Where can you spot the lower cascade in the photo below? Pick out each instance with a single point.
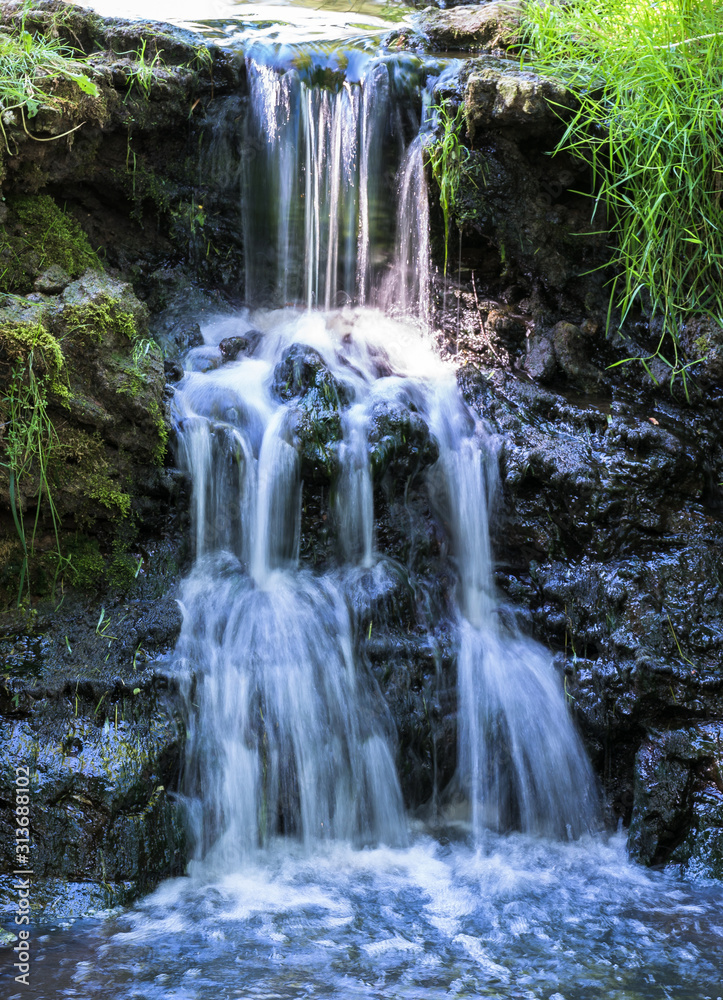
(288, 733)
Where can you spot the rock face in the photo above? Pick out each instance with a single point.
(678, 804)
(83, 389)
(101, 738)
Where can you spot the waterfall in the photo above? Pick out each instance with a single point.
(316, 198)
(521, 763)
(288, 732)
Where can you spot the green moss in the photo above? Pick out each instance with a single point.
(87, 565)
(122, 566)
(145, 353)
(98, 318)
(18, 340)
(159, 452)
(37, 234)
(80, 467)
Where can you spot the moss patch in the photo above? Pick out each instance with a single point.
(80, 467)
(37, 234)
(23, 344)
(95, 319)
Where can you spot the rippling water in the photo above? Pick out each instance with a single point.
(284, 21)
(518, 918)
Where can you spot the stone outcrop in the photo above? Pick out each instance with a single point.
(485, 26)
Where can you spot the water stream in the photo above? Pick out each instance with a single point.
(308, 878)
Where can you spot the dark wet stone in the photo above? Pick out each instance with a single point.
(302, 372)
(173, 371)
(541, 362)
(678, 807)
(400, 442)
(231, 347)
(572, 352)
(608, 535)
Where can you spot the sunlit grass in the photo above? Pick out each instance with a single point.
(648, 77)
(30, 66)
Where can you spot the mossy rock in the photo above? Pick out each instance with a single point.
(84, 423)
(303, 373)
(38, 234)
(485, 26)
(400, 442)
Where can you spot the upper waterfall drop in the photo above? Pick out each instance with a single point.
(320, 189)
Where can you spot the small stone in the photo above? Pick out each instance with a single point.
(231, 347)
(506, 328)
(571, 350)
(52, 281)
(541, 363)
(173, 371)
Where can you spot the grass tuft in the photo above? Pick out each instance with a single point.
(447, 156)
(647, 76)
(30, 66)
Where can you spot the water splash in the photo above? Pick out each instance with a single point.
(290, 734)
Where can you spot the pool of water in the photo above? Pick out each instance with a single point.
(281, 21)
(517, 918)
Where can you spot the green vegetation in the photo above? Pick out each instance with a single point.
(38, 234)
(95, 319)
(29, 67)
(30, 436)
(143, 72)
(647, 78)
(447, 156)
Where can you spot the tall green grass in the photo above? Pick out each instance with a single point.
(447, 156)
(648, 77)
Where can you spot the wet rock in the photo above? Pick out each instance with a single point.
(99, 730)
(572, 350)
(678, 808)
(178, 308)
(609, 536)
(100, 770)
(507, 329)
(400, 443)
(173, 371)
(231, 347)
(317, 432)
(563, 350)
(302, 372)
(487, 26)
(541, 362)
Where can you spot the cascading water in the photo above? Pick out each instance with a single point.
(280, 737)
(286, 734)
(315, 190)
